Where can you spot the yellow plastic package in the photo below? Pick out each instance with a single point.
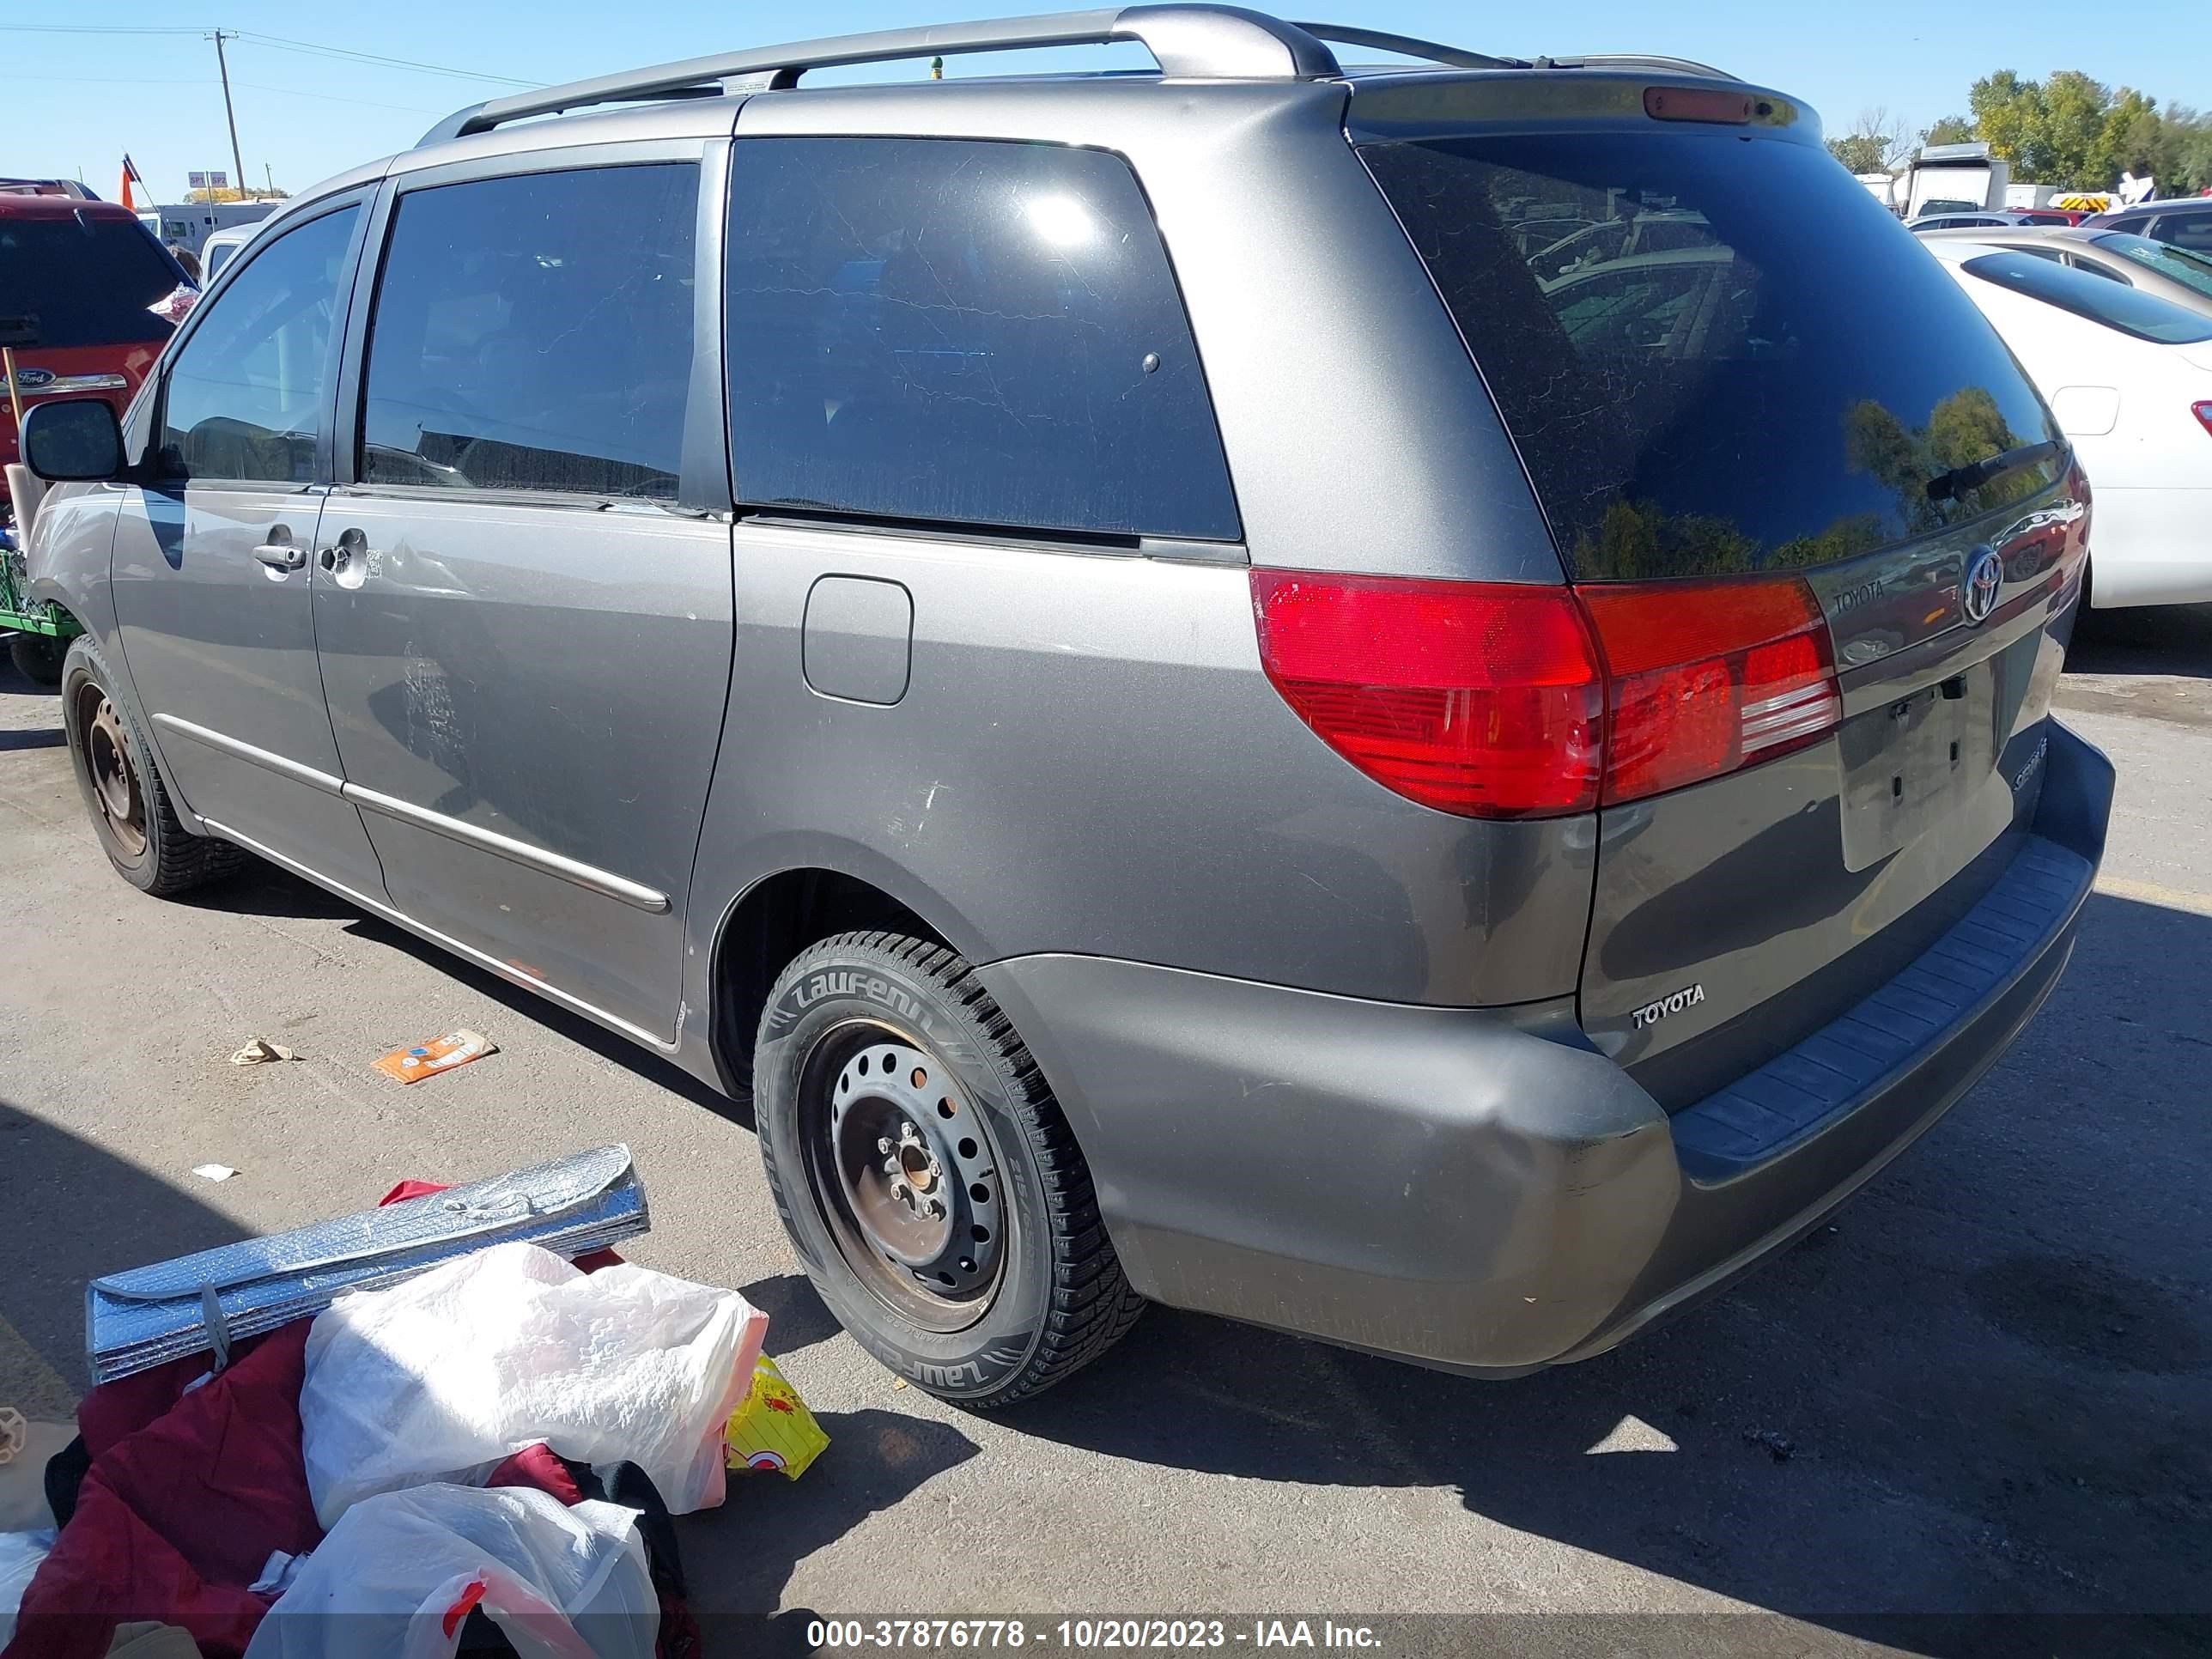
(771, 1428)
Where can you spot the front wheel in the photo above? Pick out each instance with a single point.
(926, 1176)
(123, 788)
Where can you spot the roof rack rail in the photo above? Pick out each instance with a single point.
(1434, 51)
(1635, 60)
(1202, 41)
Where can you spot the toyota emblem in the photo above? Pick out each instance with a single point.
(1984, 580)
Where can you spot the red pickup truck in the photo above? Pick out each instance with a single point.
(87, 298)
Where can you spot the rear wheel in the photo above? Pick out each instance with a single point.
(926, 1176)
(132, 812)
(38, 657)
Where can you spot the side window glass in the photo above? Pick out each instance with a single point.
(964, 332)
(247, 394)
(534, 333)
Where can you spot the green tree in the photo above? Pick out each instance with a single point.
(1857, 152)
(2184, 161)
(1877, 143)
(2010, 117)
(2075, 111)
(2073, 131)
(1951, 130)
(2131, 139)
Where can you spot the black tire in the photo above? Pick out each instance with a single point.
(38, 657)
(1040, 1294)
(132, 812)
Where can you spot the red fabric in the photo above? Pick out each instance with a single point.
(189, 1493)
(181, 1506)
(535, 1466)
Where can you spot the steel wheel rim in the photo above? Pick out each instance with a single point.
(904, 1171)
(116, 791)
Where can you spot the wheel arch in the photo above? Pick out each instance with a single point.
(779, 915)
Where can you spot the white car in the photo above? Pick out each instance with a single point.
(2130, 377)
(215, 253)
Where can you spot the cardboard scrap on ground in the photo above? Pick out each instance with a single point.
(439, 1054)
(772, 1428)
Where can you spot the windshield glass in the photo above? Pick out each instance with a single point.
(2132, 312)
(1715, 354)
(85, 280)
(2190, 269)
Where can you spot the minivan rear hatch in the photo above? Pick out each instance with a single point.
(1823, 525)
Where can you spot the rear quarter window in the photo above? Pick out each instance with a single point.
(964, 332)
(2189, 230)
(85, 280)
(1716, 354)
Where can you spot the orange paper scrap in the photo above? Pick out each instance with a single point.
(439, 1054)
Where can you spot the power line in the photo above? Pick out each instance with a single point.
(309, 46)
(248, 86)
(282, 43)
(90, 28)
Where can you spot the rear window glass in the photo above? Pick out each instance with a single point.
(85, 280)
(2190, 269)
(2192, 230)
(964, 332)
(2130, 310)
(535, 333)
(1716, 354)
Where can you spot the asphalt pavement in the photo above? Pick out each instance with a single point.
(1986, 1389)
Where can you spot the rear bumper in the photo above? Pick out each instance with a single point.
(1480, 1189)
(2152, 546)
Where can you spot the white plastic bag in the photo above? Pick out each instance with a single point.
(21, 1552)
(405, 1568)
(441, 1377)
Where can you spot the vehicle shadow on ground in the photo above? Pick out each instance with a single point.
(262, 890)
(1981, 1390)
(738, 1558)
(2174, 639)
(69, 1211)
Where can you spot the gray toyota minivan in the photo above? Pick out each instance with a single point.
(1405, 703)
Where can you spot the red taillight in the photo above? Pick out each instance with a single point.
(1703, 678)
(1491, 701)
(1477, 698)
(2203, 413)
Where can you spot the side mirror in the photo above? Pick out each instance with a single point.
(78, 441)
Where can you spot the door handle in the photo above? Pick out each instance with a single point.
(281, 556)
(347, 558)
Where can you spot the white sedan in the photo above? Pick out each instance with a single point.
(2130, 377)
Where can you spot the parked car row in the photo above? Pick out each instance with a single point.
(2116, 331)
(87, 299)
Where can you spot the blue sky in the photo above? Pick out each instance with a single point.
(75, 102)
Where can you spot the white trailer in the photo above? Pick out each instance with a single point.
(1953, 179)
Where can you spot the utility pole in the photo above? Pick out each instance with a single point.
(222, 68)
